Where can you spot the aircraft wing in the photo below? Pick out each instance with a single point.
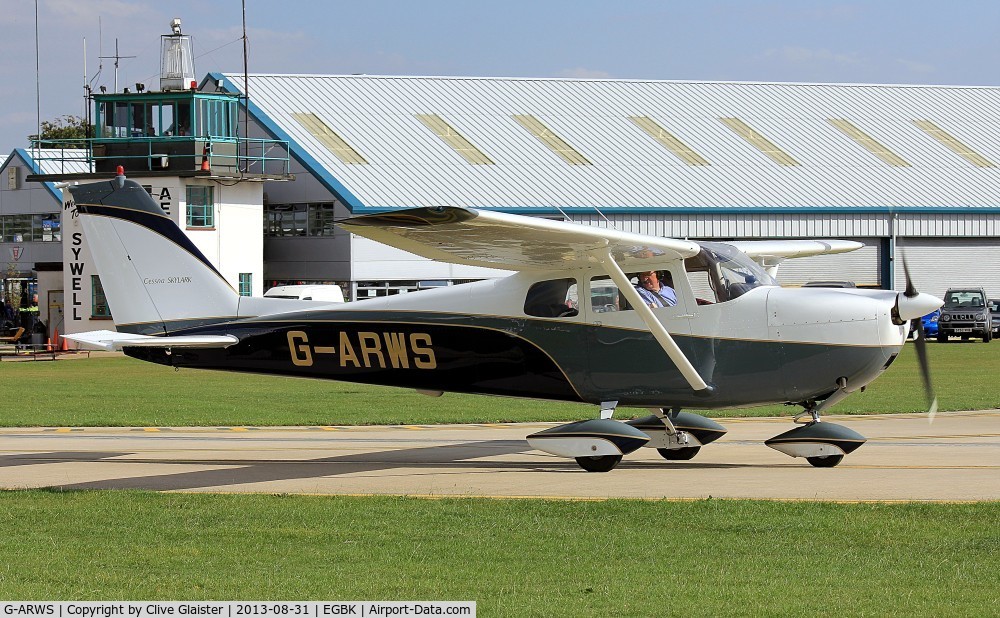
(111, 340)
(512, 242)
(793, 248)
(771, 253)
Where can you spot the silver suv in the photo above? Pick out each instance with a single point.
(965, 314)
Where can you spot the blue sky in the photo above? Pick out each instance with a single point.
(913, 42)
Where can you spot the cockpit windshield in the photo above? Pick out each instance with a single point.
(725, 272)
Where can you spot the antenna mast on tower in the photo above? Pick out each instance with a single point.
(117, 57)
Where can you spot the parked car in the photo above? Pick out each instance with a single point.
(965, 314)
(329, 293)
(930, 323)
(995, 312)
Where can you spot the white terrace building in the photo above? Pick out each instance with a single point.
(895, 167)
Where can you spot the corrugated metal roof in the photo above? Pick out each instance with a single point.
(59, 160)
(52, 161)
(409, 166)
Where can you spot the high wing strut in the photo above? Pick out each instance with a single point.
(649, 319)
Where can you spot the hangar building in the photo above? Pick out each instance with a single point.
(31, 232)
(898, 168)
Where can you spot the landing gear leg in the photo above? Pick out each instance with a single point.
(822, 444)
(813, 409)
(675, 454)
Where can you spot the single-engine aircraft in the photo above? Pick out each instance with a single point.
(567, 325)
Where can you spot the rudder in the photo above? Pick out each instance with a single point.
(155, 279)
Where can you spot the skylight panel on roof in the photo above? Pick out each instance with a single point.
(554, 142)
(668, 141)
(759, 142)
(868, 142)
(329, 138)
(953, 144)
(453, 138)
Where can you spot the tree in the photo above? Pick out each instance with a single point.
(11, 288)
(61, 132)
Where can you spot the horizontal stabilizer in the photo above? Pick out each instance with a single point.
(113, 341)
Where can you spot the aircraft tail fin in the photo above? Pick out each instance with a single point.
(155, 279)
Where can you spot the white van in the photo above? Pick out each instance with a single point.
(324, 293)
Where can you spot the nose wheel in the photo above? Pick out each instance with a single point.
(823, 445)
(599, 463)
(825, 462)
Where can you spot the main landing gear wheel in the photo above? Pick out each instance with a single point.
(599, 463)
(679, 454)
(825, 462)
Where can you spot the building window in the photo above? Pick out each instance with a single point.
(51, 227)
(300, 219)
(16, 228)
(30, 228)
(246, 284)
(200, 207)
(98, 301)
(321, 220)
(286, 220)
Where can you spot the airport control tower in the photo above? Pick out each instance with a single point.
(183, 144)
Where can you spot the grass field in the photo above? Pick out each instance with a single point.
(514, 557)
(127, 392)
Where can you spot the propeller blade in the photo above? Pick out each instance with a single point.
(921, 344)
(911, 290)
(925, 370)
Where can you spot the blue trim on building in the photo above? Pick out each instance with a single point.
(294, 149)
(36, 169)
(686, 210)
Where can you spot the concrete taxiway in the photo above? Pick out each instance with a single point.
(957, 458)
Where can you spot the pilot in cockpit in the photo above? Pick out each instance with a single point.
(654, 292)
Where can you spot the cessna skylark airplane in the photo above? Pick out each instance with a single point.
(567, 325)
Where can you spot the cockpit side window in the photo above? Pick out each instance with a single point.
(605, 297)
(720, 273)
(557, 298)
(704, 280)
